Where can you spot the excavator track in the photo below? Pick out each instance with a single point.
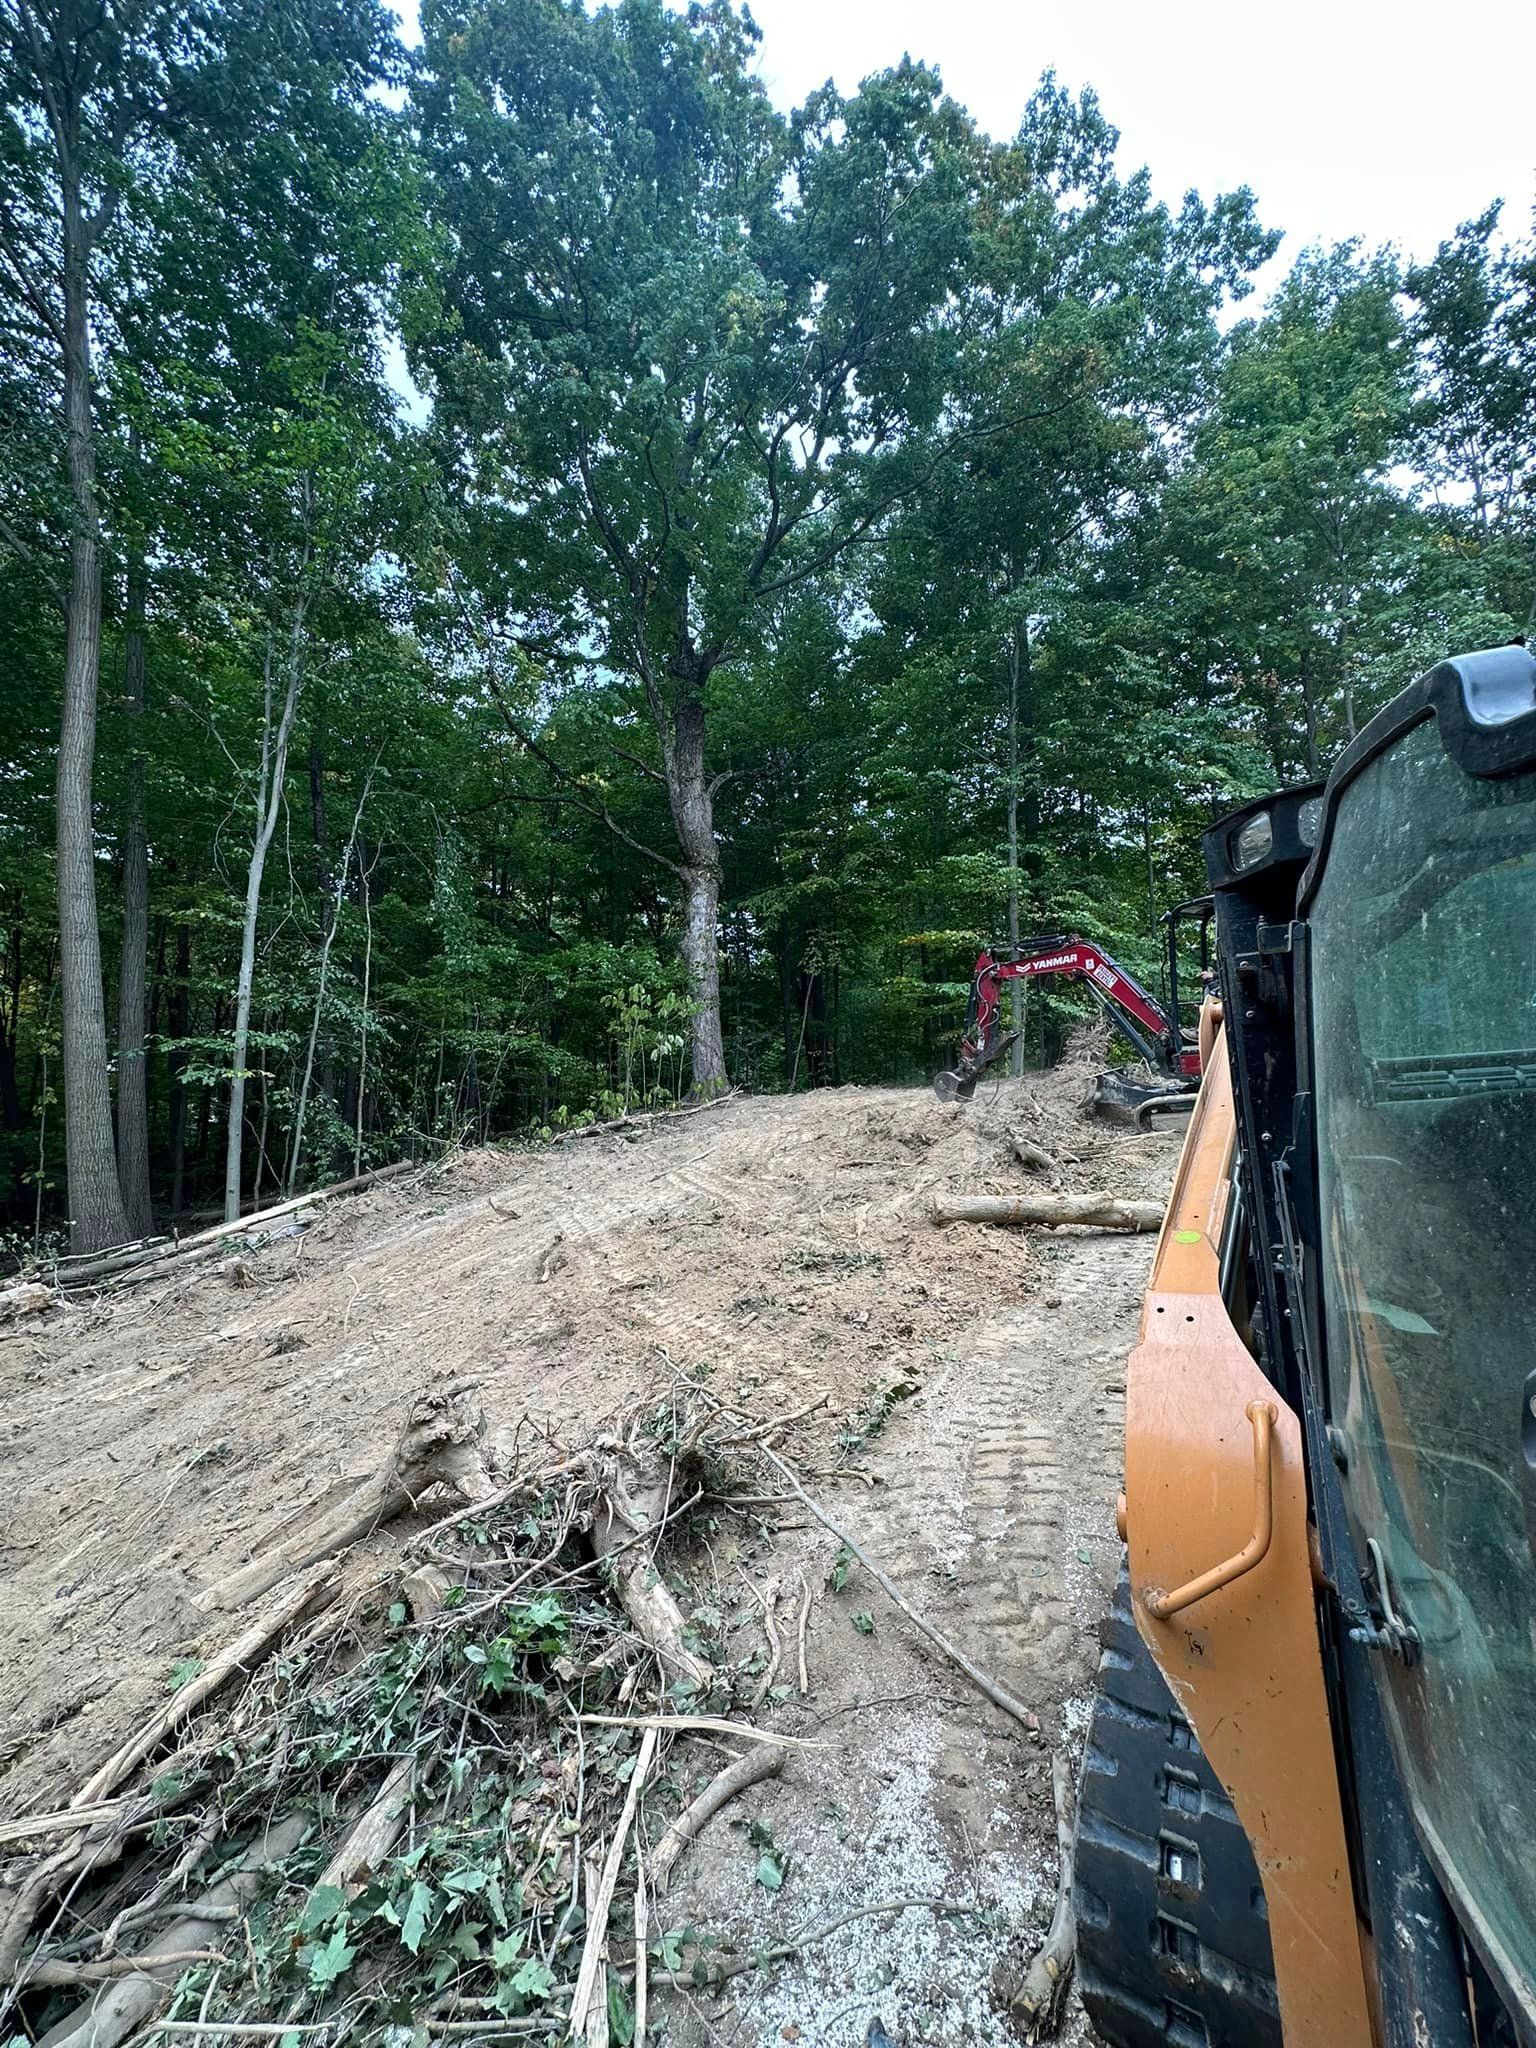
(1173, 1936)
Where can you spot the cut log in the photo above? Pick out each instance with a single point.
(439, 1446)
(1033, 1156)
(119, 2008)
(1100, 1212)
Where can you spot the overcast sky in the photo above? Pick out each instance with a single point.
(1388, 119)
(1392, 120)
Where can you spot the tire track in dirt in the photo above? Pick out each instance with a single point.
(997, 1486)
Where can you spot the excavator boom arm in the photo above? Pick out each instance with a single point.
(1134, 1013)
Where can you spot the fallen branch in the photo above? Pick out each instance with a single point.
(781, 1951)
(637, 1123)
(373, 1834)
(308, 1595)
(979, 1678)
(801, 1627)
(642, 1960)
(68, 1820)
(1101, 1212)
(1031, 1155)
(699, 1724)
(764, 1761)
(1042, 1989)
(119, 2008)
(61, 1974)
(157, 1253)
(599, 1908)
(768, 1600)
(439, 1446)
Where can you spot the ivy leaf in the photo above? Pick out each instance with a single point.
(418, 1910)
(506, 1950)
(325, 1902)
(333, 1960)
(770, 1871)
(864, 1622)
(621, 2014)
(533, 1980)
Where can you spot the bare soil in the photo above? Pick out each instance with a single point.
(151, 1441)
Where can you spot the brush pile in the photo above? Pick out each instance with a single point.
(407, 1813)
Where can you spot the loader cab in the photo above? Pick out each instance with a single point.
(1376, 942)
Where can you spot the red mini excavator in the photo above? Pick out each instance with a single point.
(1154, 1035)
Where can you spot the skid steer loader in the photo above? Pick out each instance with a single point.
(1308, 1803)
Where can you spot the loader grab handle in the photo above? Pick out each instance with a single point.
(1263, 1415)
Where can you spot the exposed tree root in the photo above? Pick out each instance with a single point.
(636, 1483)
(439, 1446)
(763, 1761)
(113, 2014)
(1039, 1998)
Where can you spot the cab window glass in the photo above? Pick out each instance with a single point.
(1424, 1043)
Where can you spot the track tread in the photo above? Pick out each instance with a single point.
(1164, 1962)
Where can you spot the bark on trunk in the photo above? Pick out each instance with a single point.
(1016, 990)
(177, 1014)
(132, 1077)
(95, 1203)
(693, 815)
(269, 798)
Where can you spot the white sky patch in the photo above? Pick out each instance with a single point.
(1390, 120)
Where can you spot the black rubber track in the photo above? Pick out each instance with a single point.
(1172, 1932)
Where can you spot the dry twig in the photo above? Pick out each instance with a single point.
(983, 1682)
(598, 1909)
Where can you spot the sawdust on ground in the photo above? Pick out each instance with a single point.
(151, 1441)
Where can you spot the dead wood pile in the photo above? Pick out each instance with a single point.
(421, 1800)
(424, 1811)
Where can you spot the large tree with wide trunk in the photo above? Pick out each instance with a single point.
(693, 354)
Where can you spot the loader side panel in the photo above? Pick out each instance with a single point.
(1243, 1661)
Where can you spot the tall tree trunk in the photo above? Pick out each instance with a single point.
(177, 1012)
(132, 1077)
(1016, 991)
(10, 1020)
(269, 800)
(95, 1202)
(693, 816)
(331, 914)
(362, 1048)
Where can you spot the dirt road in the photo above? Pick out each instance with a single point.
(151, 1441)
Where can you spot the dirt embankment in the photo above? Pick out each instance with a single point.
(152, 1441)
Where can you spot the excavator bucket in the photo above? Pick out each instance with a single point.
(1120, 1098)
(954, 1085)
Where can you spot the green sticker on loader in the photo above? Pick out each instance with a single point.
(1189, 1237)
